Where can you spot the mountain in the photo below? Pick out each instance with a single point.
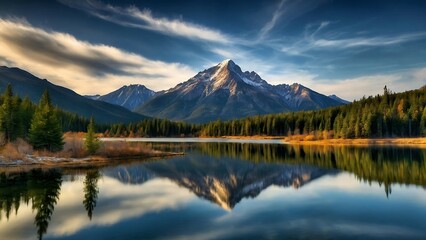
(128, 96)
(299, 97)
(226, 92)
(25, 84)
(338, 99)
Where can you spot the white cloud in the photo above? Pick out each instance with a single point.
(420, 76)
(354, 88)
(133, 17)
(82, 66)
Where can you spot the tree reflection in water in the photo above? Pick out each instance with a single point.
(91, 191)
(40, 187)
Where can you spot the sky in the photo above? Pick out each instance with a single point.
(349, 48)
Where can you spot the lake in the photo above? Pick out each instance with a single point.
(225, 190)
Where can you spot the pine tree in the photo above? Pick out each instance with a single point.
(45, 131)
(9, 116)
(92, 142)
(26, 113)
(423, 123)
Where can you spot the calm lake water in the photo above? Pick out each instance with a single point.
(227, 190)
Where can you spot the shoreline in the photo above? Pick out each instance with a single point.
(358, 141)
(300, 139)
(94, 161)
(420, 142)
(31, 161)
(417, 142)
(256, 137)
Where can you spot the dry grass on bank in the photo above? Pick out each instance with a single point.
(74, 148)
(327, 138)
(18, 149)
(255, 137)
(124, 149)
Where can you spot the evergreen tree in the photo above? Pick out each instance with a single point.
(92, 142)
(45, 131)
(26, 113)
(9, 115)
(423, 123)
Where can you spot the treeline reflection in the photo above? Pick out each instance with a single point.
(385, 165)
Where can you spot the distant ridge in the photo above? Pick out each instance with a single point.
(129, 97)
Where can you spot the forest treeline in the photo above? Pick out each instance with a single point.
(41, 124)
(386, 115)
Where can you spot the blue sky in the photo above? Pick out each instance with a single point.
(350, 48)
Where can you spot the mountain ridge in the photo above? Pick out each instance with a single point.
(26, 84)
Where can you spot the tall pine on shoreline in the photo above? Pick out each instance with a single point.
(10, 123)
(45, 131)
(91, 143)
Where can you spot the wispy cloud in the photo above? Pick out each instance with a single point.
(312, 40)
(271, 24)
(144, 19)
(285, 12)
(85, 67)
(372, 41)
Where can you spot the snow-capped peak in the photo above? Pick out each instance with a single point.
(226, 61)
(222, 71)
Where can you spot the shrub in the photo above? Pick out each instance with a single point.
(74, 147)
(17, 150)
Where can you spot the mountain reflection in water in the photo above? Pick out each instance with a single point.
(222, 173)
(223, 181)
